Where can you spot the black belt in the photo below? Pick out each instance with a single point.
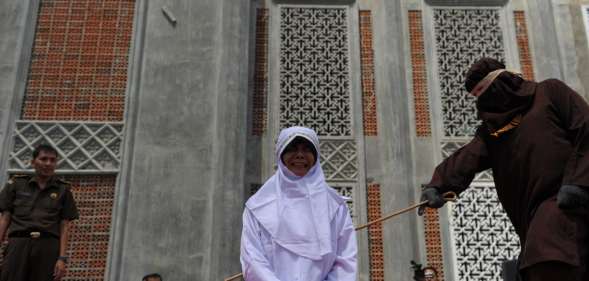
(32, 234)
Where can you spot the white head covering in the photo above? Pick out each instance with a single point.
(297, 211)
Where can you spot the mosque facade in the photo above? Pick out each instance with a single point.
(165, 114)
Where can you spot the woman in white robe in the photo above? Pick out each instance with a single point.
(296, 227)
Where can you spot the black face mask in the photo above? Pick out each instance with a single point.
(502, 102)
(492, 100)
(499, 99)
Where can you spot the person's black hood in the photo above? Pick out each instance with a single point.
(503, 99)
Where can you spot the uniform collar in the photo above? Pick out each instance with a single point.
(52, 182)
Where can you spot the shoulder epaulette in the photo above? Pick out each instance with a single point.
(15, 177)
(62, 181)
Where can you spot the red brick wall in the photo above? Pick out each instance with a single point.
(260, 94)
(433, 241)
(367, 67)
(89, 236)
(376, 253)
(419, 75)
(523, 46)
(79, 62)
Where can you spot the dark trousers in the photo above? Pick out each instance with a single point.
(28, 259)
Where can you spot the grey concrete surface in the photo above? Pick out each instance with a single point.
(566, 42)
(17, 26)
(392, 150)
(184, 177)
(581, 45)
(544, 40)
(188, 157)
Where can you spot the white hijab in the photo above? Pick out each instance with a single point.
(297, 211)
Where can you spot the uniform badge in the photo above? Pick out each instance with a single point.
(53, 195)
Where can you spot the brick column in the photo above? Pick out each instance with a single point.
(260, 94)
(367, 66)
(523, 46)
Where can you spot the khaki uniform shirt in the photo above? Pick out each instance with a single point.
(36, 209)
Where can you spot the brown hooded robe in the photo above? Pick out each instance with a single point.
(549, 148)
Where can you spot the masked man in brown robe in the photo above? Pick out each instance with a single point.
(535, 138)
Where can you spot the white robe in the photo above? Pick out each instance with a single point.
(297, 228)
(264, 260)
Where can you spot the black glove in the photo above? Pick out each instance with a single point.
(434, 198)
(572, 197)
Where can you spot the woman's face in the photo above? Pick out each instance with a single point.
(298, 157)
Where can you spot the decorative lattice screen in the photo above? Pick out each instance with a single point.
(314, 70)
(483, 234)
(339, 160)
(315, 87)
(462, 37)
(82, 146)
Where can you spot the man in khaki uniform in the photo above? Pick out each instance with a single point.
(36, 213)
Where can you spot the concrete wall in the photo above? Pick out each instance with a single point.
(181, 188)
(581, 44)
(180, 192)
(556, 33)
(17, 26)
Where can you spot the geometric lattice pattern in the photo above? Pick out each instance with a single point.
(260, 94)
(79, 61)
(483, 235)
(521, 35)
(462, 37)
(376, 252)
(367, 66)
(89, 236)
(419, 75)
(314, 70)
(448, 147)
(82, 147)
(339, 160)
(346, 190)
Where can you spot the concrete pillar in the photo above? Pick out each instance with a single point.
(17, 30)
(390, 156)
(179, 199)
(543, 37)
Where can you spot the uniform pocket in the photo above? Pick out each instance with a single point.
(51, 202)
(22, 206)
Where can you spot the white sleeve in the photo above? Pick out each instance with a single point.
(254, 264)
(345, 265)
